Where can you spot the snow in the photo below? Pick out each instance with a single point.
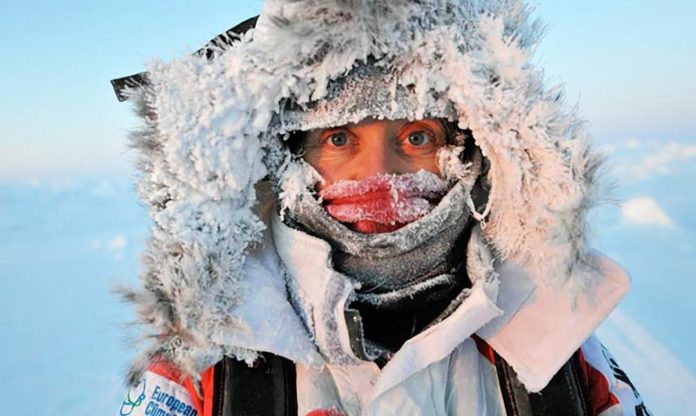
(65, 339)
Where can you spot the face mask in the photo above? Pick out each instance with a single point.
(383, 203)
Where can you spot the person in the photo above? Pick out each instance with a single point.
(369, 208)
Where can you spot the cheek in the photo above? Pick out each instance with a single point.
(330, 176)
(424, 162)
(330, 168)
(432, 165)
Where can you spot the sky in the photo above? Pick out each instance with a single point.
(627, 64)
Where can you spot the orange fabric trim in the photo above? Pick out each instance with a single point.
(602, 398)
(207, 389)
(169, 371)
(325, 412)
(166, 370)
(485, 349)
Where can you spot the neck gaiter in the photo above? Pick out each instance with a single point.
(410, 269)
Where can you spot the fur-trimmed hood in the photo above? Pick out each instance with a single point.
(212, 131)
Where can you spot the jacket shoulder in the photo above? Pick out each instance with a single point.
(164, 387)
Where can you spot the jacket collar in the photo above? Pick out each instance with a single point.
(534, 327)
(542, 326)
(268, 321)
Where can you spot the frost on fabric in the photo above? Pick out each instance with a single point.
(298, 180)
(407, 292)
(450, 164)
(198, 174)
(212, 131)
(480, 75)
(384, 199)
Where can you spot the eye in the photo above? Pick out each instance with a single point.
(419, 138)
(338, 139)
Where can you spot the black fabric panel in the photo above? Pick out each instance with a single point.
(130, 82)
(582, 383)
(224, 40)
(266, 389)
(563, 396)
(218, 387)
(567, 394)
(515, 396)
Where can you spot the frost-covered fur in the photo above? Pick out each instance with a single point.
(212, 127)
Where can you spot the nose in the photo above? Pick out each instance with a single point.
(378, 157)
(377, 154)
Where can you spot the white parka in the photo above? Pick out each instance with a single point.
(441, 371)
(216, 265)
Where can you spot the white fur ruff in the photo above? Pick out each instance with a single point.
(210, 138)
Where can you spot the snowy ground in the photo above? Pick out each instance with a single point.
(64, 245)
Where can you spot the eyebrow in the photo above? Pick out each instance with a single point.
(344, 127)
(440, 129)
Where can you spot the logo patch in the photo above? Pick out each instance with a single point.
(134, 398)
(155, 395)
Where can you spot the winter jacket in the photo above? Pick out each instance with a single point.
(449, 369)
(217, 268)
(610, 392)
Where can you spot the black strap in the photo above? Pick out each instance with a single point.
(515, 396)
(210, 51)
(567, 394)
(266, 389)
(269, 389)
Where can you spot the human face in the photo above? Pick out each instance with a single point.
(373, 147)
(366, 152)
